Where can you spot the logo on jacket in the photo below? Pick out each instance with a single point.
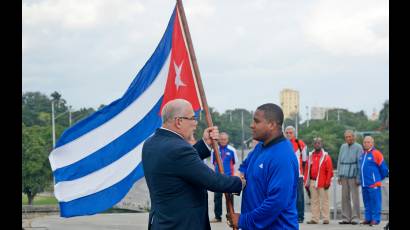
(261, 166)
(369, 158)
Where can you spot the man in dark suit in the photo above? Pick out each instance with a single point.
(176, 176)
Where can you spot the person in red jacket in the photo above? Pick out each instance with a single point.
(318, 175)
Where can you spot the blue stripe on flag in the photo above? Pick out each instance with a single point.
(101, 201)
(114, 150)
(140, 83)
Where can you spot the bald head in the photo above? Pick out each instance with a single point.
(175, 108)
(368, 142)
(178, 116)
(223, 139)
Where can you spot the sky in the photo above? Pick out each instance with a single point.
(334, 52)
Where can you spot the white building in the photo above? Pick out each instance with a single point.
(318, 113)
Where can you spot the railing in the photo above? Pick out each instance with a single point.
(336, 192)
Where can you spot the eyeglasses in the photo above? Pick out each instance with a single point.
(193, 118)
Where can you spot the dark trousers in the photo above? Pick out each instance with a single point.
(218, 204)
(300, 200)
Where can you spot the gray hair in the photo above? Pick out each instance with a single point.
(369, 137)
(349, 131)
(174, 108)
(224, 133)
(317, 139)
(290, 127)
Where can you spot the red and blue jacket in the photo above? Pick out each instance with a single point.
(373, 169)
(228, 158)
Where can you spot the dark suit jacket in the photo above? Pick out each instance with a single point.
(177, 180)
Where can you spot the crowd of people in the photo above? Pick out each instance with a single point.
(272, 179)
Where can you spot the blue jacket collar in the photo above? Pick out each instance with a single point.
(274, 141)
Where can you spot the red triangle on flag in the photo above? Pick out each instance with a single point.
(180, 81)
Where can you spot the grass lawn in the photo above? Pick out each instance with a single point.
(40, 200)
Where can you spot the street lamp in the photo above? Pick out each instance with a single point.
(296, 121)
(243, 135)
(338, 116)
(53, 118)
(52, 123)
(307, 116)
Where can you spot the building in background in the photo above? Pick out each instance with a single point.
(289, 101)
(318, 113)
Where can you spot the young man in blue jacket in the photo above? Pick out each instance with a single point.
(271, 171)
(373, 170)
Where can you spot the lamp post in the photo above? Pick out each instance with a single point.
(307, 116)
(327, 114)
(53, 118)
(243, 136)
(296, 120)
(338, 116)
(69, 115)
(52, 123)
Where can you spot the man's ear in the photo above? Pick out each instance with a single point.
(177, 123)
(272, 125)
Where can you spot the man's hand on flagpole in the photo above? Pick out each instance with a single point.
(243, 180)
(211, 133)
(233, 222)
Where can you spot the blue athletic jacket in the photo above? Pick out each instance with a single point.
(373, 169)
(228, 158)
(269, 198)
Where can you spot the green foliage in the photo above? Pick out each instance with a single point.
(384, 115)
(381, 142)
(36, 172)
(33, 103)
(37, 137)
(332, 131)
(82, 113)
(40, 200)
(230, 122)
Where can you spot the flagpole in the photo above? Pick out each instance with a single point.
(203, 97)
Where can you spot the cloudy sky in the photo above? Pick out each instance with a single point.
(334, 52)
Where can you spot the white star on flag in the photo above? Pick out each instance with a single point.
(178, 81)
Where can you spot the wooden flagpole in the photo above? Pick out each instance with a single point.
(203, 98)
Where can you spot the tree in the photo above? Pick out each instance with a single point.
(291, 120)
(55, 96)
(101, 106)
(224, 123)
(81, 114)
(331, 132)
(34, 103)
(384, 115)
(36, 171)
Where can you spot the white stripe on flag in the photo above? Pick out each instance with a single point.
(99, 180)
(112, 129)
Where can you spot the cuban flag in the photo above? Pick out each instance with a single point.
(96, 161)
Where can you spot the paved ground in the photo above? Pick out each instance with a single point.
(138, 221)
(139, 200)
